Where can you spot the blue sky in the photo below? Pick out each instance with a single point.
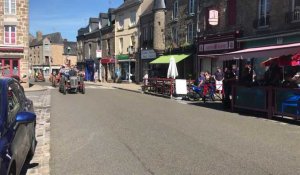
(65, 16)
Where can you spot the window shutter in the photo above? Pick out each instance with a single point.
(231, 12)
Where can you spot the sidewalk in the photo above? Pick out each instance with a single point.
(123, 86)
(35, 87)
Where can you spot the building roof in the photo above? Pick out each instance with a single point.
(103, 15)
(55, 38)
(127, 4)
(72, 46)
(94, 20)
(159, 4)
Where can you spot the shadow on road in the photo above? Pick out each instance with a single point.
(245, 113)
(28, 166)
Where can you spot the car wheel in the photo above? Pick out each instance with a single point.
(12, 171)
(64, 90)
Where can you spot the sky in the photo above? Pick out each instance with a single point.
(65, 16)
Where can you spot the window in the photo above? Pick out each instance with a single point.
(121, 45)
(90, 48)
(174, 35)
(121, 22)
(175, 10)
(132, 18)
(264, 12)
(151, 32)
(10, 7)
(191, 7)
(108, 46)
(231, 12)
(190, 33)
(13, 104)
(10, 35)
(132, 41)
(296, 10)
(99, 45)
(145, 32)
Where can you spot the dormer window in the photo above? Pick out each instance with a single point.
(90, 28)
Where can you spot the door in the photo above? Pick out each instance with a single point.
(16, 134)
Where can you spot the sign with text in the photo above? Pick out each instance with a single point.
(216, 46)
(99, 53)
(148, 54)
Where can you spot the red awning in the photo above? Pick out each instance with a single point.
(107, 60)
(296, 57)
(284, 60)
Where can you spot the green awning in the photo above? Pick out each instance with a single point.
(122, 57)
(165, 59)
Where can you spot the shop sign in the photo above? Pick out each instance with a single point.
(216, 46)
(99, 53)
(148, 54)
(213, 18)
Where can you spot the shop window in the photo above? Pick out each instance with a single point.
(15, 67)
(10, 7)
(10, 35)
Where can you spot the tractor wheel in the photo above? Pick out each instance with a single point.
(64, 89)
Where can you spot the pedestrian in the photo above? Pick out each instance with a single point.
(219, 77)
(229, 78)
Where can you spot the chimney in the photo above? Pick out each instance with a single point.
(39, 35)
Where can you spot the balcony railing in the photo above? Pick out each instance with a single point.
(262, 22)
(293, 16)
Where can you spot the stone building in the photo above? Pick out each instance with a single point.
(70, 53)
(247, 32)
(89, 42)
(127, 38)
(108, 46)
(14, 38)
(46, 52)
(180, 32)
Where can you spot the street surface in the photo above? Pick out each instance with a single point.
(114, 132)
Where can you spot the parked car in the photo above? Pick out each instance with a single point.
(17, 127)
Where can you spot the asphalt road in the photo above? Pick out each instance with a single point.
(114, 132)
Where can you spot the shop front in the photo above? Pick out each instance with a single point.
(126, 68)
(11, 67)
(270, 76)
(160, 66)
(108, 69)
(211, 46)
(89, 69)
(146, 57)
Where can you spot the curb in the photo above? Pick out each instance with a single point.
(136, 91)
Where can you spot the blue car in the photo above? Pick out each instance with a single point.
(17, 127)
